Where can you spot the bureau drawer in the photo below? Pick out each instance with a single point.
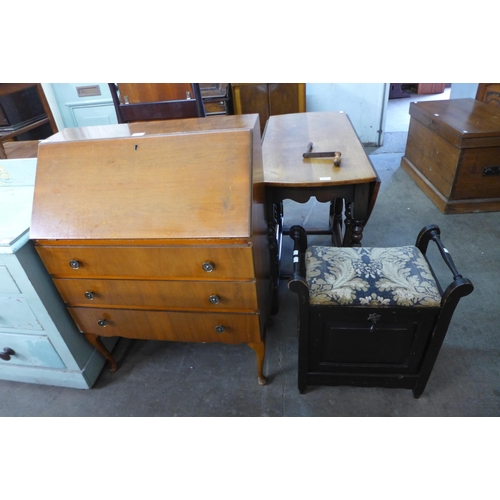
(174, 326)
(149, 262)
(30, 350)
(201, 295)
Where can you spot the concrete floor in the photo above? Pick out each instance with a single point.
(176, 379)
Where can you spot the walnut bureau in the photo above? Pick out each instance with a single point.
(157, 230)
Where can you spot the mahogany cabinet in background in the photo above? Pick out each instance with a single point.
(268, 99)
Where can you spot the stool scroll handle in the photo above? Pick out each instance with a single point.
(299, 236)
(297, 282)
(432, 232)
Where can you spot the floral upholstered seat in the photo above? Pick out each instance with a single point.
(372, 277)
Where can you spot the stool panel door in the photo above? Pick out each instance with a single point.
(346, 341)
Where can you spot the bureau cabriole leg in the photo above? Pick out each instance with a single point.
(96, 341)
(260, 350)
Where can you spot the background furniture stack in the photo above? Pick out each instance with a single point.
(217, 98)
(156, 101)
(25, 117)
(268, 99)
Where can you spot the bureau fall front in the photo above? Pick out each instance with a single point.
(158, 230)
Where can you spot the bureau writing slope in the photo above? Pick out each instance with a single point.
(157, 230)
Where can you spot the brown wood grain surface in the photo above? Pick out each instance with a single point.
(173, 326)
(286, 139)
(164, 295)
(153, 92)
(184, 186)
(149, 262)
(463, 122)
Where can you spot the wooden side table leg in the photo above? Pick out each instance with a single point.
(336, 207)
(348, 225)
(260, 350)
(358, 215)
(275, 234)
(96, 341)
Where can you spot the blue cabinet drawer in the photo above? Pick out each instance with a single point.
(30, 350)
(15, 313)
(7, 283)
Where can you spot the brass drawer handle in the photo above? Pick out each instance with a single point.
(214, 299)
(89, 295)
(7, 353)
(103, 323)
(208, 267)
(220, 329)
(74, 264)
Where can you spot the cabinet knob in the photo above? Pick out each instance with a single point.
(103, 323)
(89, 295)
(74, 264)
(220, 329)
(7, 353)
(208, 267)
(214, 299)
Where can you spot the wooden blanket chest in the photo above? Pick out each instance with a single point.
(453, 154)
(157, 230)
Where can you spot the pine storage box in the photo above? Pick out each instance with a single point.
(453, 154)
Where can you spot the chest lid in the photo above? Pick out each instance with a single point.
(466, 123)
(177, 179)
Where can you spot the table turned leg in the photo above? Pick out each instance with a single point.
(96, 341)
(275, 234)
(356, 215)
(260, 350)
(336, 207)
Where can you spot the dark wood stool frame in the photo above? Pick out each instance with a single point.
(419, 332)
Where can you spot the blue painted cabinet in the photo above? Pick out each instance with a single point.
(47, 346)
